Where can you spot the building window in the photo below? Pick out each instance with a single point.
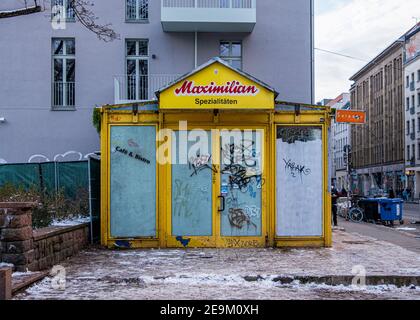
(418, 75)
(413, 124)
(408, 104)
(418, 124)
(231, 52)
(418, 99)
(408, 153)
(408, 127)
(64, 67)
(418, 151)
(137, 69)
(137, 10)
(62, 10)
(414, 152)
(408, 81)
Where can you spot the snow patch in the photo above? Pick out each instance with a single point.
(6, 265)
(70, 221)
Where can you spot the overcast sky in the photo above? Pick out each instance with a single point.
(357, 28)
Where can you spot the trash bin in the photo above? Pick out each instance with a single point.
(371, 208)
(391, 209)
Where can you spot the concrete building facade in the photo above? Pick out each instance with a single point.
(378, 146)
(52, 78)
(412, 110)
(341, 137)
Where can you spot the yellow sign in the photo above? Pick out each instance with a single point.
(217, 86)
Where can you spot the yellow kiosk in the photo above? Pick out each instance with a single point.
(215, 162)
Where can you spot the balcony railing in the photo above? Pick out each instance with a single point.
(62, 9)
(137, 88)
(208, 15)
(412, 135)
(63, 94)
(412, 86)
(237, 4)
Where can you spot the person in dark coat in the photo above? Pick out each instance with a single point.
(334, 197)
(391, 194)
(344, 192)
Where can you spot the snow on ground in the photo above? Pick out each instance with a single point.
(222, 273)
(73, 221)
(6, 265)
(406, 229)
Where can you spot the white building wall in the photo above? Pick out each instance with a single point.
(412, 124)
(341, 138)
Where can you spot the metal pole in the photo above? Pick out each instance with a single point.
(195, 50)
(90, 201)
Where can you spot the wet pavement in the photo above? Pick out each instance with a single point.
(232, 273)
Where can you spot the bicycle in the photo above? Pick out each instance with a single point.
(350, 210)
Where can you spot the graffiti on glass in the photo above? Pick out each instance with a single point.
(201, 163)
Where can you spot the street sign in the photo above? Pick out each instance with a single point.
(349, 116)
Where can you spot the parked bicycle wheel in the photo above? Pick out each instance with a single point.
(356, 215)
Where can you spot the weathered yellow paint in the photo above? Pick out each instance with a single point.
(267, 121)
(256, 113)
(220, 75)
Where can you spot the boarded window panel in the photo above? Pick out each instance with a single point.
(299, 181)
(133, 181)
(192, 186)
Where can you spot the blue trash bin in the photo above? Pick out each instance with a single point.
(391, 209)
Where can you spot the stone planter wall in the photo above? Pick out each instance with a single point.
(34, 250)
(53, 245)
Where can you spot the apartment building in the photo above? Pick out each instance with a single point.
(52, 77)
(412, 110)
(378, 146)
(341, 138)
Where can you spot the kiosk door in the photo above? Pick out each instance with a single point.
(217, 189)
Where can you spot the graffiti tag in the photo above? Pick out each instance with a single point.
(238, 218)
(295, 169)
(200, 163)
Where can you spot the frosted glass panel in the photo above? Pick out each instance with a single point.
(299, 181)
(133, 181)
(241, 184)
(192, 186)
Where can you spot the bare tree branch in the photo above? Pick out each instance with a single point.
(83, 12)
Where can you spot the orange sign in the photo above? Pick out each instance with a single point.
(347, 116)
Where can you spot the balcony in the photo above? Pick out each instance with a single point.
(208, 15)
(133, 88)
(412, 86)
(412, 135)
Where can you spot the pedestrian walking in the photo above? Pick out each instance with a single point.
(405, 194)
